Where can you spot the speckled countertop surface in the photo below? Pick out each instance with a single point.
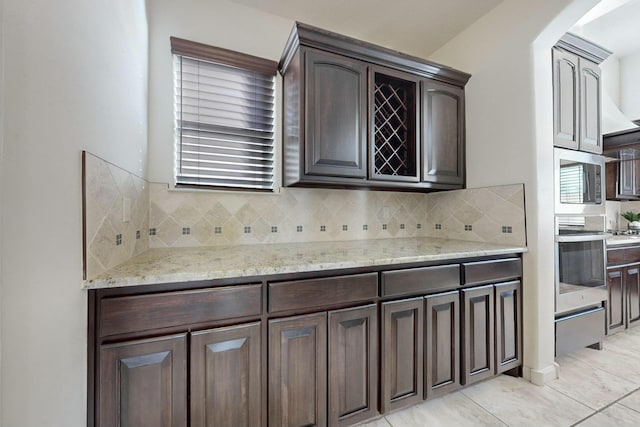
(623, 240)
(206, 263)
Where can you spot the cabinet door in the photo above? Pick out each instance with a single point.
(144, 383)
(590, 106)
(226, 382)
(298, 371)
(353, 365)
(565, 99)
(443, 133)
(478, 334)
(442, 346)
(336, 118)
(616, 307)
(402, 353)
(632, 289)
(394, 119)
(508, 326)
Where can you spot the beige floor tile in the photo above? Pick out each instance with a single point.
(447, 411)
(589, 385)
(632, 401)
(614, 416)
(519, 403)
(380, 422)
(613, 359)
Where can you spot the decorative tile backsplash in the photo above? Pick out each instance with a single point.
(159, 217)
(293, 215)
(110, 194)
(491, 214)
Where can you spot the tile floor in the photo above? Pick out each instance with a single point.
(595, 389)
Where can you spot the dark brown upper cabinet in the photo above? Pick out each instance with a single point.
(357, 115)
(443, 135)
(577, 98)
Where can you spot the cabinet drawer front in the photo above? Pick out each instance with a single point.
(420, 280)
(579, 330)
(477, 273)
(623, 255)
(127, 314)
(299, 294)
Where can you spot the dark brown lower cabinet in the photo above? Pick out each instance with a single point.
(226, 379)
(143, 383)
(632, 284)
(623, 308)
(298, 371)
(616, 307)
(353, 365)
(442, 344)
(478, 360)
(402, 353)
(508, 325)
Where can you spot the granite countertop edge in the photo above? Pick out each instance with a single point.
(186, 264)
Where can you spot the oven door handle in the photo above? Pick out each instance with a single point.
(582, 237)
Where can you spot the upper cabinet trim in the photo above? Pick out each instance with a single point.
(583, 47)
(307, 35)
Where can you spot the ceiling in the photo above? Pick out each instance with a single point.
(417, 27)
(613, 24)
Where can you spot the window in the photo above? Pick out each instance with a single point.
(224, 111)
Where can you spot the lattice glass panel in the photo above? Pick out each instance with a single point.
(394, 126)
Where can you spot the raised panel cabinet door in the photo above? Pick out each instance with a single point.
(443, 133)
(477, 334)
(226, 377)
(565, 99)
(402, 353)
(336, 115)
(353, 365)
(442, 344)
(590, 107)
(144, 383)
(508, 325)
(298, 371)
(617, 304)
(632, 289)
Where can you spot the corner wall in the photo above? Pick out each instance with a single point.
(509, 138)
(77, 79)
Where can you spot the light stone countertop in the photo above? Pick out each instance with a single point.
(623, 240)
(218, 262)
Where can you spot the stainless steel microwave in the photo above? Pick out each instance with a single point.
(579, 182)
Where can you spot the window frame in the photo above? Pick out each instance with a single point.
(226, 57)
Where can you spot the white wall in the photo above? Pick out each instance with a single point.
(220, 23)
(76, 79)
(1, 157)
(509, 138)
(630, 86)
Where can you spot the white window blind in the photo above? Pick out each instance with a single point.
(224, 124)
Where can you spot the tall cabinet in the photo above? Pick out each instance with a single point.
(577, 99)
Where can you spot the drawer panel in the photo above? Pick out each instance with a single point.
(299, 294)
(420, 280)
(579, 330)
(121, 315)
(478, 273)
(623, 255)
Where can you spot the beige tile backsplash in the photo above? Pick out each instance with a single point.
(106, 188)
(170, 218)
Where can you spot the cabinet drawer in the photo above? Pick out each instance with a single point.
(420, 280)
(478, 273)
(579, 330)
(121, 315)
(299, 294)
(623, 255)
